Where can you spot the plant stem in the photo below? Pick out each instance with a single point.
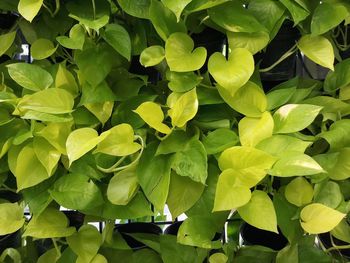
(94, 8)
(58, 6)
(56, 247)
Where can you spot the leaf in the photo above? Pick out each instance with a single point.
(53, 101)
(182, 82)
(11, 218)
(337, 135)
(102, 111)
(93, 23)
(198, 5)
(122, 187)
(327, 16)
(81, 141)
(153, 115)
(339, 78)
(191, 162)
(75, 40)
(137, 8)
(299, 192)
(218, 258)
(295, 164)
(260, 212)
(230, 192)
(219, 140)
(96, 94)
(42, 48)
(180, 55)
(76, 191)
(254, 130)
(183, 194)
(30, 76)
(176, 6)
(50, 255)
(99, 259)
(65, 80)
(119, 39)
(29, 8)
(342, 231)
(184, 109)
(277, 98)
(85, 243)
(318, 218)
(328, 193)
(46, 154)
(175, 142)
(318, 49)
(6, 41)
(235, 72)
(294, 117)
(253, 42)
(152, 56)
(49, 224)
(119, 141)
(298, 12)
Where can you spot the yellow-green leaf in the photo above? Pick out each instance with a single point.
(102, 111)
(42, 48)
(46, 154)
(152, 56)
(29, 8)
(65, 80)
(299, 192)
(253, 42)
(11, 218)
(218, 258)
(6, 41)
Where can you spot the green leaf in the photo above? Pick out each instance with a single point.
(119, 141)
(50, 255)
(76, 191)
(175, 142)
(137, 8)
(198, 5)
(249, 100)
(122, 187)
(65, 80)
(96, 94)
(235, 72)
(277, 98)
(85, 243)
(253, 42)
(46, 154)
(30, 76)
(327, 16)
(95, 24)
(339, 78)
(299, 192)
(230, 192)
(176, 6)
(319, 49)
(180, 55)
(219, 140)
(182, 82)
(81, 141)
(328, 193)
(254, 130)
(295, 164)
(11, 218)
(29, 8)
(53, 101)
(152, 56)
(99, 259)
(337, 135)
(6, 41)
(260, 212)
(153, 173)
(233, 17)
(294, 117)
(153, 115)
(342, 231)
(183, 194)
(119, 39)
(49, 224)
(42, 48)
(318, 218)
(184, 109)
(191, 162)
(218, 258)
(298, 12)
(102, 111)
(75, 40)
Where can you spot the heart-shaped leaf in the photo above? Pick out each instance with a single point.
(182, 82)
(119, 39)
(152, 56)
(235, 72)
(180, 55)
(94, 24)
(11, 218)
(75, 40)
(42, 48)
(253, 42)
(176, 6)
(6, 41)
(299, 192)
(29, 8)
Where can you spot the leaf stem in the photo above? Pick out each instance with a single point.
(56, 247)
(58, 6)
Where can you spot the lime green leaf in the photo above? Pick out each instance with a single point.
(219, 140)
(95, 24)
(342, 231)
(230, 193)
(176, 6)
(99, 259)
(50, 223)
(253, 42)
(242, 157)
(198, 5)
(298, 12)
(318, 218)
(65, 80)
(184, 109)
(180, 55)
(6, 41)
(295, 164)
(235, 72)
(42, 48)
(102, 111)
(122, 187)
(328, 193)
(152, 56)
(29, 8)
(326, 16)
(294, 117)
(183, 194)
(254, 130)
(85, 243)
(319, 49)
(46, 154)
(75, 40)
(81, 141)
(339, 78)
(119, 142)
(11, 218)
(119, 39)
(299, 192)
(337, 135)
(137, 8)
(218, 258)
(76, 191)
(53, 101)
(50, 255)
(182, 82)
(260, 212)
(153, 115)
(30, 76)
(278, 97)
